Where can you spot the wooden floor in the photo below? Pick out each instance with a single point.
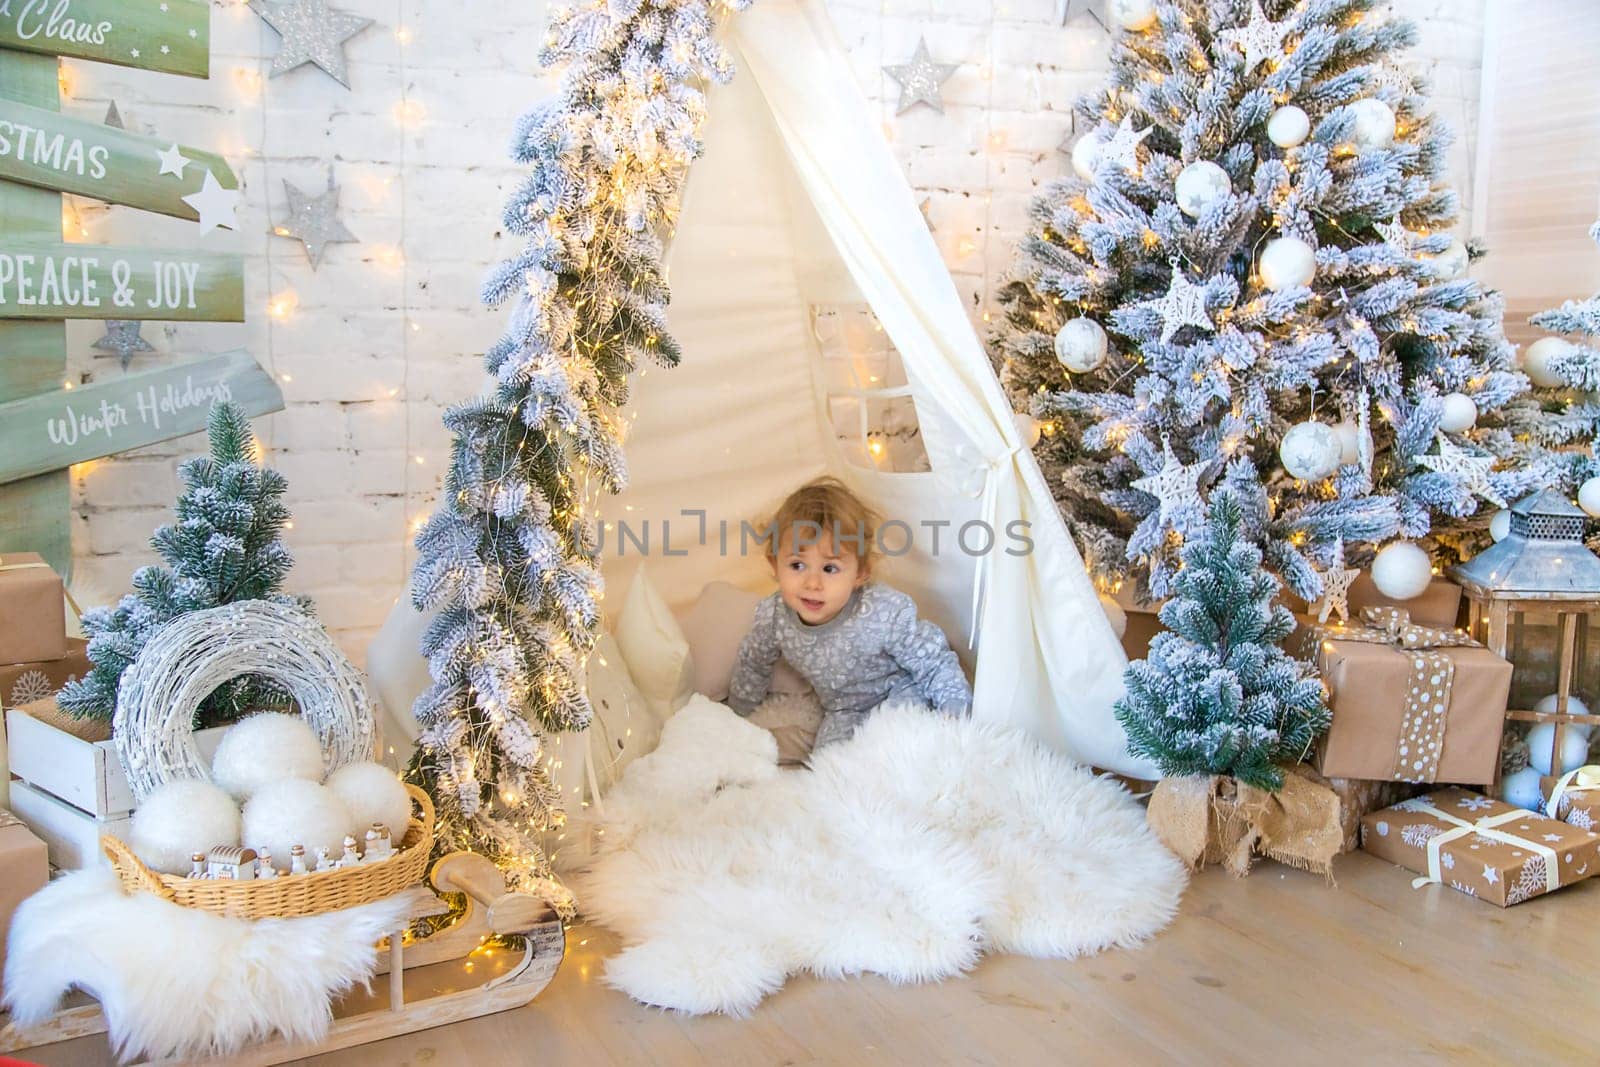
(1271, 969)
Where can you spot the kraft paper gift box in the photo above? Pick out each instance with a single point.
(1410, 703)
(1573, 797)
(23, 871)
(1438, 606)
(33, 610)
(1484, 848)
(24, 683)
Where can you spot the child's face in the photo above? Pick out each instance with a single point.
(816, 578)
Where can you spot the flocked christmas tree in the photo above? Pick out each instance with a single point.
(1217, 695)
(1251, 283)
(1559, 418)
(226, 546)
(508, 562)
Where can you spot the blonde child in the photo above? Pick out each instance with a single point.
(857, 641)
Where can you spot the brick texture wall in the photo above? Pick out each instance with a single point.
(372, 346)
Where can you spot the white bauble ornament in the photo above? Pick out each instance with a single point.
(1135, 15)
(1589, 497)
(1084, 154)
(1028, 427)
(293, 812)
(1287, 262)
(1288, 126)
(1374, 125)
(1521, 790)
(1200, 185)
(1402, 571)
(179, 819)
(1081, 345)
(1117, 617)
(1460, 413)
(1349, 435)
(1310, 450)
(1574, 748)
(266, 747)
(1500, 524)
(1452, 262)
(372, 793)
(1546, 705)
(1537, 359)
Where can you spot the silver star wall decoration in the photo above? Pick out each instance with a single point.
(1336, 583)
(1183, 305)
(920, 79)
(1175, 486)
(312, 221)
(1465, 467)
(122, 340)
(312, 32)
(1259, 39)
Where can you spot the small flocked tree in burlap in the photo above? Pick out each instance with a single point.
(226, 546)
(1217, 694)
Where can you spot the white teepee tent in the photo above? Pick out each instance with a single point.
(798, 202)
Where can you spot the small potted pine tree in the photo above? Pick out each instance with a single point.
(1221, 709)
(225, 546)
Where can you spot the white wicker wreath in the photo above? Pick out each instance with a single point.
(195, 653)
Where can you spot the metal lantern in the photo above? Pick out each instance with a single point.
(1535, 593)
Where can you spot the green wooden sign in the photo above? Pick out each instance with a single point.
(172, 36)
(50, 431)
(40, 281)
(52, 151)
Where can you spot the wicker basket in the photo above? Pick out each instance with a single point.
(287, 896)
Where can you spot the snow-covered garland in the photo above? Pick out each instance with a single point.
(1383, 332)
(508, 562)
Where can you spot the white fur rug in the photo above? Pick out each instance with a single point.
(175, 981)
(906, 851)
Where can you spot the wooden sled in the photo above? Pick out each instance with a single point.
(446, 978)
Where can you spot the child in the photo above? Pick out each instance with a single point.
(858, 642)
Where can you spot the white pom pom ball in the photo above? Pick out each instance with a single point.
(1452, 262)
(372, 794)
(266, 747)
(1575, 706)
(1402, 571)
(1500, 524)
(1310, 450)
(1460, 413)
(1349, 434)
(1135, 15)
(180, 819)
(1085, 153)
(1574, 748)
(1288, 126)
(1114, 614)
(1589, 497)
(1537, 359)
(1375, 125)
(1522, 789)
(1199, 185)
(296, 812)
(1287, 262)
(1081, 345)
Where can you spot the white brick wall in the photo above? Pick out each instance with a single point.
(373, 345)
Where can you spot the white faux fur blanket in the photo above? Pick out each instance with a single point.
(176, 981)
(906, 852)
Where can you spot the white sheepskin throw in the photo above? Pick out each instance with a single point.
(180, 982)
(906, 851)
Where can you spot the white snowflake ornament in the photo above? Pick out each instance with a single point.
(1183, 305)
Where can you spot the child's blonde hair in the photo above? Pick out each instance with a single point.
(823, 508)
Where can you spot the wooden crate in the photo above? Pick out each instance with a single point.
(71, 836)
(85, 774)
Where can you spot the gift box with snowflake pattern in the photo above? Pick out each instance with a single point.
(1484, 848)
(24, 683)
(1578, 799)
